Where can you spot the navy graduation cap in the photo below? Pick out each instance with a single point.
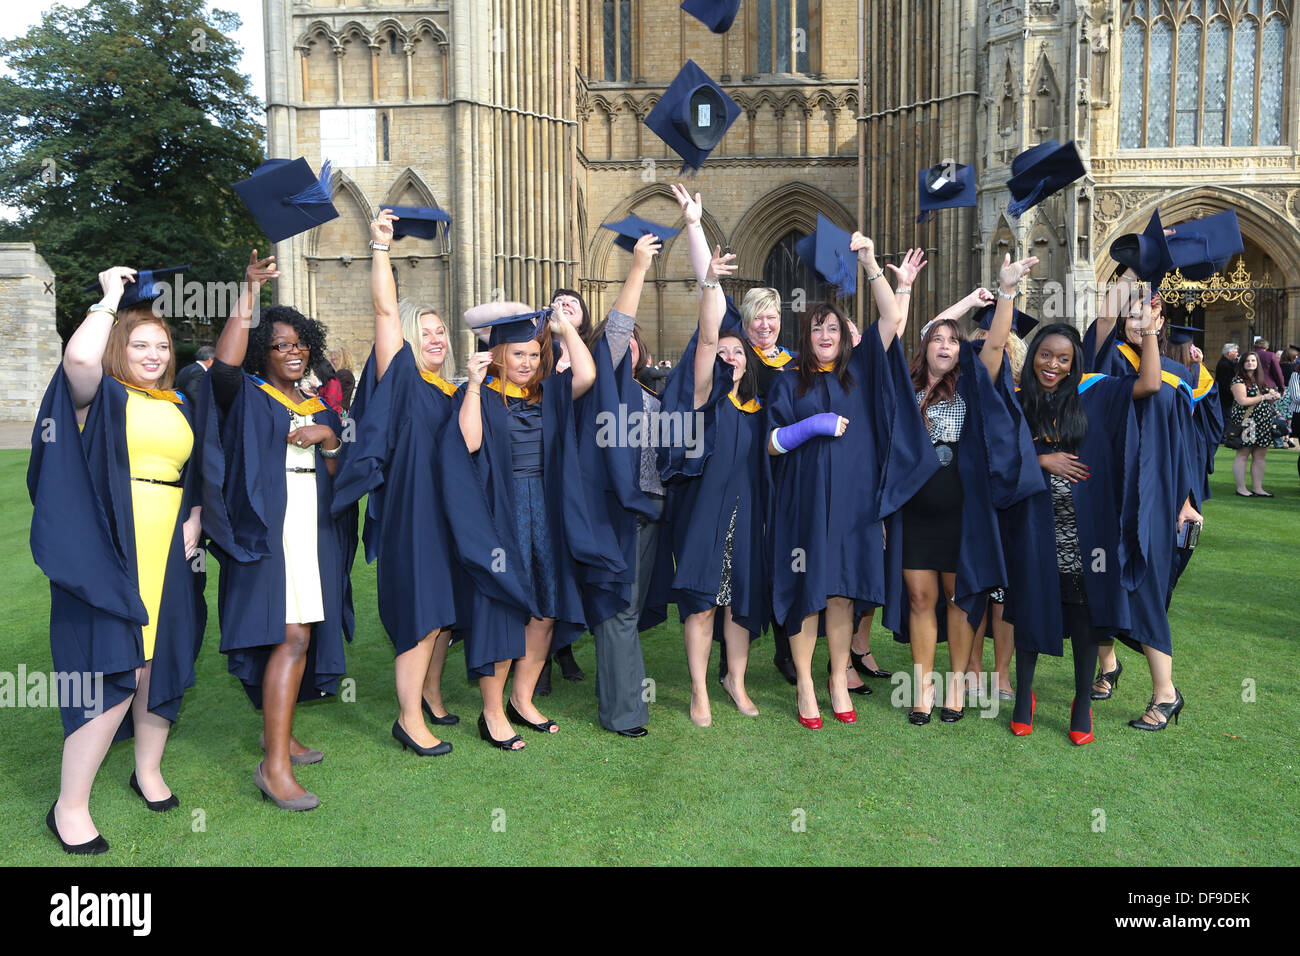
(693, 115)
(420, 221)
(1040, 171)
(827, 252)
(632, 228)
(1146, 253)
(514, 328)
(286, 198)
(1202, 247)
(1022, 323)
(717, 15)
(146, 287)
(1179, 334)
(944, 186)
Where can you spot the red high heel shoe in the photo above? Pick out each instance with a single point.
(812, 723)
(849, 716)
(1024, 730)
(1078, 737)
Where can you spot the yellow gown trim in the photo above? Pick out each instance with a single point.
(166, 394)
(512, 390)
(1204, 384)
(780, 361)
(309, 407)
(1169, 378)
(438, 382)
(752, 405)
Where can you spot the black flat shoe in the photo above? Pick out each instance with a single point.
(785, 667)
(543, 688)
(632, 732)
(447, 720)
(90, 847)
(1111, 678)
(403, 738)
(569, 668)
(950, 716)
(919, 718)
(1261, 494)
(513, 715)
(1241, 495)
(508, 744)
(1166, 709)
(859, 665)
(158, 806)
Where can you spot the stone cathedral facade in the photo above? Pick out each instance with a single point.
(523, 119)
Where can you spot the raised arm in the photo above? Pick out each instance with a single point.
(580, 361)
(906, 275)
(697, 242)
(83, 359)
(977, 299)
(471, 413)
(713, 306)
(890, 321)
(1148, 380)
(233, 344)
(617, 333)
(995, 343)
(383, 293)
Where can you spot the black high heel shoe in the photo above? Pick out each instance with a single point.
(97, 845)
(447, 720)
(1166, 709)
(158, 806)
(859, 665)
(403, 738)
(508, 744)
(861, 689)
(1111, 678)
(569, 668)
(513, 715)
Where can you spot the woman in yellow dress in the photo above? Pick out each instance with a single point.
(127, 611)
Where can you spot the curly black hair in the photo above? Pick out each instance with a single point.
(310, 332)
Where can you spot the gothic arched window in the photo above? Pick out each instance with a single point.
(1202, 73)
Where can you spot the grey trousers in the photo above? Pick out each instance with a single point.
(620, 666)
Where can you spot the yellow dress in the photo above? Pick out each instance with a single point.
(158, 444)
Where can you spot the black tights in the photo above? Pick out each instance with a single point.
(1078, 627)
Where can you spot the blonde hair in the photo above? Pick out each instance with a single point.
(1017, 351)
(410, 314)
(342, 359)
(114, 361)
(758, 300)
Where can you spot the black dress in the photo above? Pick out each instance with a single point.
(932, 518)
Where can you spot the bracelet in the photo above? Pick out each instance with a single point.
(1007, 295)
(379, 246)
(875, 276)
(903, 290)
(705, 284)
(331, 453)
(472, 391)
(1150, 331)
(101, 307)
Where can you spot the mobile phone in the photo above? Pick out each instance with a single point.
(1188, 535)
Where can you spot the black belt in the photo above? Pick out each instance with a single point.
(301, 471)
(159, 481)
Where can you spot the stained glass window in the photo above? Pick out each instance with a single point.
(1243, 84)
(1132, 86)
(1162, 42)
(1216, 82)
(1189, 82)
(611, 62)
(1270, 85)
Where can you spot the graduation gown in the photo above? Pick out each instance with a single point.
(830, 495)
(244, 499)
(998, 468)
(1105, 509)
(393, 458)
(479, 498)
(1168, 476)
(83, 539)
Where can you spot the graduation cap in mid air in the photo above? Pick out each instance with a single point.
(1202, 247)
(286, 198)
(717, 15)
(422, 222)
(1022, 323)
(944, 186)
(148, 285)
(693, 115)
(631, 229)
(1147, 253)
(1040, 171)
(827, 252)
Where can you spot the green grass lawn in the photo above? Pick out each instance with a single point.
(1217, 789)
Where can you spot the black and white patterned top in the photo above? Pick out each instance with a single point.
(944, 420)
(1069, 559)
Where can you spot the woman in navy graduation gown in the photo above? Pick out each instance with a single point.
(848, 450)
(114, 523)
(1169, 480)
(400, 410)
(270, 454)
(945, 542)
(518, 513)
(715, 512)
(1071, 550)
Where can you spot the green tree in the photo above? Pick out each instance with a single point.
(127, 122)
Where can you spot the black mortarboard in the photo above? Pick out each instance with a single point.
(631, 229)
(693, 115)
(827, 252)
(146, 287)
(944, 186)
(1040, 171)
(420, 221)
(514, 328)
(1146, 253)
(1202, 247)
(1022, 323)
(287, 198)
(1178, 334)
(717, 15)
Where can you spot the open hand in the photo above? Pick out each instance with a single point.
(913, 263)
(720, 265)
(381, 230)
(260, 271)
(692, 209)
(1011, 273)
